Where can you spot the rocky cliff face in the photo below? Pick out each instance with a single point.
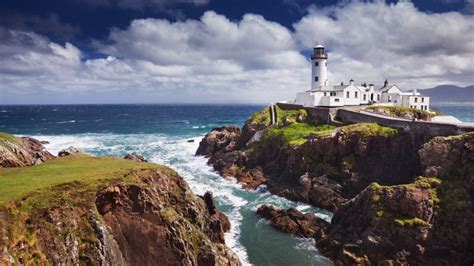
(425, 222)
(146, 217)
(397, 198)
(24, 151)
(324, 171)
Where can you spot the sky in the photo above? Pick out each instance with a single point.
(224, 51)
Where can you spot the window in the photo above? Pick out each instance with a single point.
(355, 94)
(416, 99)
(365, 97)
(389, 99)
(336, 100)
(325, 94)
(422, 99)
(347, 94)
(316, 63)
(315, 78)
(378, 97)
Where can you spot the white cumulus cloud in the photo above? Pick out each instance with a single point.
(214, 59)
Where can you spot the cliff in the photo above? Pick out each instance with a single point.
(302, 159)
(108, 211)
(397, 198)
(24, 151)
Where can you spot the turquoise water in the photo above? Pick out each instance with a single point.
(462, 111)
(160, 133)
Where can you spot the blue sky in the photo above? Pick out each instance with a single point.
(224, 51)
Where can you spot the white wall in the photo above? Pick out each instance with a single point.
(352, 99)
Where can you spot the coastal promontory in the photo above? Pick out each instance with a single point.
(100, 210)
(399, 195)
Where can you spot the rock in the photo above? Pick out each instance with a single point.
(164, 226)
(135, 157)
(293, 222)
(219, 139)
(19, 152)
(71, 151)
(190, 140)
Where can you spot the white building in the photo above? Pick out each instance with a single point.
(322, 94)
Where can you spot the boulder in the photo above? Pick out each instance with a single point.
(293, 222)
(135, 157)
(71, 151)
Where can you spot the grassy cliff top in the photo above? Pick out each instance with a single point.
(18, 182)
(369, 129)
(7, 137)
(298, 133)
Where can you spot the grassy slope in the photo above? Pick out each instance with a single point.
(297, 133)
(369, 129)
(17, 182)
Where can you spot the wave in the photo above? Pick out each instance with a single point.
(66, 122)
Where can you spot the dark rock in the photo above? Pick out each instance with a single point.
(167, 223)
(293, 222)
(190, 140)
(135, 157)
(219, 139)
(71, 151)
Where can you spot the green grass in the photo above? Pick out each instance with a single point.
(369, 129)
(7, 137)
(297, 133)
(398, 111)
(18, 182)
(290, 115)
(261, 117)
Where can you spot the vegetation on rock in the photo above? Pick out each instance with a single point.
(402, 112)
(93, 210)
(369, 130)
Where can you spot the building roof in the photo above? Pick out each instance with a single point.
(319, 46)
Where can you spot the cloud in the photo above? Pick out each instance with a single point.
(49, 24)
(214, 59)
(374, 40)
(208, 60)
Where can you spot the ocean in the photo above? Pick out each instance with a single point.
(160, 133)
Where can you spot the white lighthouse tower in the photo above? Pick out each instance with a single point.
(319, 71)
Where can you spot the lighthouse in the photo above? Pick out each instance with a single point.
(319, 59)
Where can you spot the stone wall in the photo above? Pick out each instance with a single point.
(427, 129)
(419, 129)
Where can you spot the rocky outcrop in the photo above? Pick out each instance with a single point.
(222, 139)
(324, 171)
(146, 217)
(386, 212)
(426, 222)
(135, 157)
(21, 151)
(293, 222)
(71, 151)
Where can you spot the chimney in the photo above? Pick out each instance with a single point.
(385, 84)
(342, 83)
(351, 82)
(371, 86)
(365, 84)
